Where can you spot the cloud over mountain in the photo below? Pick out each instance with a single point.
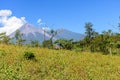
(9, 23)
(5, 13)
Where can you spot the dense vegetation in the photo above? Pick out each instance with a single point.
(26, 63)
(106, 42)
(73, 60)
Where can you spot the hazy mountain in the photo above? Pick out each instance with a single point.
(66, 34)
(34, 33)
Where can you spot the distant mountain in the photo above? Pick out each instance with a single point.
(34, 33)
(66, 34)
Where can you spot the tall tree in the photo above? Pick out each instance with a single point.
(89, 30)
(4, 38)
(53, 33)
(18, 37)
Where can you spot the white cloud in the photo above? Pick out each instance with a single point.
(5, 13)
(11, 23)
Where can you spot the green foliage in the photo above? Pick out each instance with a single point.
(47, 44)
(35, 43)
(89, 30)
(29, 55)
(53, 33)
(2, 35)
(107, 42)
(4, 38)
(65, 44)
(90, 33)
(18, 34)
(18, 37)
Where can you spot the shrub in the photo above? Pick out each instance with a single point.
(29, 55)
(65, 44)
(47, 44)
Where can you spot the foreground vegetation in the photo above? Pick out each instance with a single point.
(47, 64)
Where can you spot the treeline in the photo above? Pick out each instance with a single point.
(18, 39)
(106, 42)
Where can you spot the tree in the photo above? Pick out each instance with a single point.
(47, 43)
(34, 43)
(18, 37)
(89, 30)
(90, 34)
(53, 33)
(4, 38)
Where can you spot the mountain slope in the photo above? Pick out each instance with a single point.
(32, 33)
(35, 33)
(66, 34)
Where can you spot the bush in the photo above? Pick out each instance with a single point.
(29, 55)
(47, 44)
(65, 44)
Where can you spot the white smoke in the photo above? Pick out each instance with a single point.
(39, 21)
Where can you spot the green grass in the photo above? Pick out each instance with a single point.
(56, 65)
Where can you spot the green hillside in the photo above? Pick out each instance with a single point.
(56, 65)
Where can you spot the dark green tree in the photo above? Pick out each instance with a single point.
(89, 30)
(90, 35)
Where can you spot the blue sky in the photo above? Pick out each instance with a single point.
(68, 14)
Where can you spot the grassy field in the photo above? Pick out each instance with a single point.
(56, 65)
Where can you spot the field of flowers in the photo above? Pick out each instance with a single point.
(56, 65)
